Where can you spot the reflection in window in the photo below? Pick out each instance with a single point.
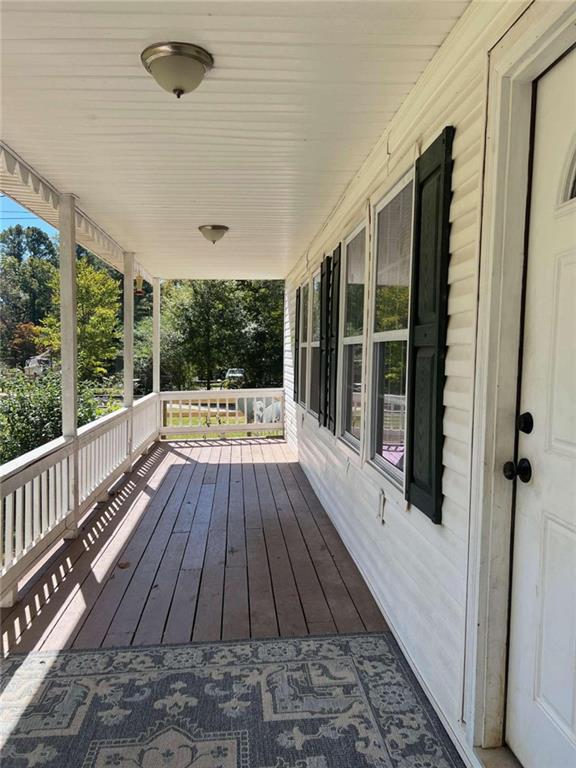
(315, 347)
(303, 344)
(353, 389)
(393, 263)
(390, 330)
(352, 337)
(302, 388)
(355, 259)
(390, 400)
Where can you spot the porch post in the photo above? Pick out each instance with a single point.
(156, 348)
(69, 349)
(129, 340)
(156, 335)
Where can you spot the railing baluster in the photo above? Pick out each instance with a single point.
(44, 502)
(52, 496)
(82, 473)
(2, 532)
(58, 473)
(28, 535)
(64, 503)
(9, 536)
(37, 508)
(19, 522)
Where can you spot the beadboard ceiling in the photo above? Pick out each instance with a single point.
(299, 94)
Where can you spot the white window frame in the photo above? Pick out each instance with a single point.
(393, 474)
(344, 341)
(311, 343)
(304, 347)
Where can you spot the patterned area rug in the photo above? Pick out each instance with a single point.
(336, 702)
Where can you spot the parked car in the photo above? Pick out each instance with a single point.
(235, 373)
(38, 365)
(234, 378)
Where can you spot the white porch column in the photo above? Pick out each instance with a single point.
(69, 348)
(156, 335)
(68, 325)
(128, 329)
(129, 341)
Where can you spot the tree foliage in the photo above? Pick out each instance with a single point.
(30, 411)
(207, 327)
(28, 260)
(211, 325)
(98, 306)
(22, 243)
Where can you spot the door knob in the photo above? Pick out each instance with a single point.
(522, 470)
(525, 422)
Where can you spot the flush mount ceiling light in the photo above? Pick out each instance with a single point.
(177, 67)
(213, 232)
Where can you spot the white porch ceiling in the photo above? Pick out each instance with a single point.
(299, 94)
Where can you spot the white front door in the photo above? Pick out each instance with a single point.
(541, 707)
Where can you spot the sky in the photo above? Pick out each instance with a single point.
(11, 213)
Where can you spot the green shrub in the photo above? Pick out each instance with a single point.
(30, 410)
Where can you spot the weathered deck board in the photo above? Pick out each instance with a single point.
(202, 541)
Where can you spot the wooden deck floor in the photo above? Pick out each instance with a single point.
(202, 541)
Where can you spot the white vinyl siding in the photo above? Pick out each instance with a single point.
(418, 570)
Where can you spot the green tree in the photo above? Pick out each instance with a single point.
(98, 306)
(25, 297)
(143, 356)
(208, 317)
(23, 242)
(261, 346)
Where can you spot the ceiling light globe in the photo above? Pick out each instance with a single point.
(213, 232)
(179, 68)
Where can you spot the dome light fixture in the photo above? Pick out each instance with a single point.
(213, 232)
(177, 67)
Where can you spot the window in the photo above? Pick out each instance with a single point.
(303, 352)
(352, 338)
(390, 330)
(315, 347)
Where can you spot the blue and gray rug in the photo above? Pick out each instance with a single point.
(337, 702)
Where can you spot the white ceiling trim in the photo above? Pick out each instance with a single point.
(23, 184)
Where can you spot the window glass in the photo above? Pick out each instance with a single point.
(303, 363)
(304, 323)
(355, 261)
(302, 389)
(393, 263)
(352, 389)
(390, 400)
(390, 330)
(316, 308)
(315, 379)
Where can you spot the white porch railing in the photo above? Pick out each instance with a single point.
(222, 412)
(45, 492)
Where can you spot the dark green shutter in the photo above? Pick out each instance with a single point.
(325, 271)
(427, 331)
(297, 345)
(333, 326)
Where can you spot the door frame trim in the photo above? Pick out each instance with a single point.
(536, 41)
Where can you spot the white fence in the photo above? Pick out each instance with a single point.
(45, 492)
(222, 412)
